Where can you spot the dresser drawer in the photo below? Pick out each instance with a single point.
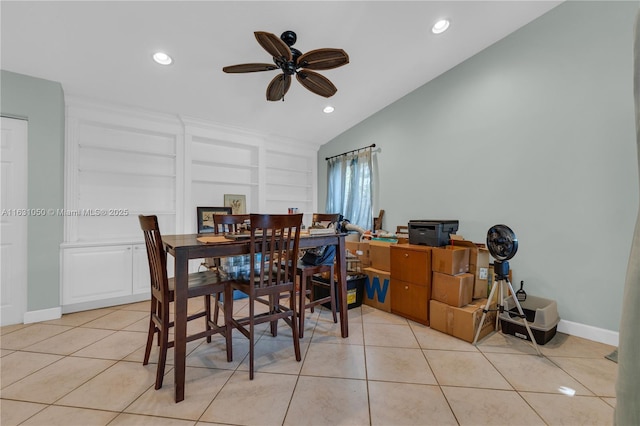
(410, 300)
(412, 263)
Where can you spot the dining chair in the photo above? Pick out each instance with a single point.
(222, 224)
(201, 284)
(274, 240)
(307, 272)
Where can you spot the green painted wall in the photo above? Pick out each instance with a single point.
(537, 132)
(42, 103)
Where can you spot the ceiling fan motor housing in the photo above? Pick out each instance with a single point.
(289, 37)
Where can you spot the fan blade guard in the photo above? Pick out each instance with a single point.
(502, 242)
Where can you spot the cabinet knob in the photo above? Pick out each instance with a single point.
(406, 255)
(406, 287)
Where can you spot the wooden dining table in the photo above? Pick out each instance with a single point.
(189, 246)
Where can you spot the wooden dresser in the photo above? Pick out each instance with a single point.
(411, 281)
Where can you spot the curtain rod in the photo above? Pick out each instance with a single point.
(373, 145)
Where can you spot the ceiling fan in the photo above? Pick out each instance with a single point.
(291, 61)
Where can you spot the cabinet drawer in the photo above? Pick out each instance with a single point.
(411, 263)
(410, 300)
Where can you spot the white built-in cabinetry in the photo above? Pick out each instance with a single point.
(120, 163)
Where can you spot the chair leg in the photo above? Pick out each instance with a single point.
(152, 331)
(332, 293)
(158, 312)
(294, 329)
(302, 307)
(313, 308)
(216, 308)
(274, 300)
(163, 336)
(227, 312)
(207, 314)
(251, 337)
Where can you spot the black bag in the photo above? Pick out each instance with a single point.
(322, 255)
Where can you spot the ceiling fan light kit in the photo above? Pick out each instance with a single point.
(291, 61)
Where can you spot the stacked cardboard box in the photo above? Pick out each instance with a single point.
(462, 322)
(361, 251)
(377, 292)
(478, 265)
(451, 283)
(454, 308)
(376, 289)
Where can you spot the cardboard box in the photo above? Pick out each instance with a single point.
(478, 265)
(361, 251)
(352, 237)
(380, 253)
(377, 292)
(454, 290)
(462, 322)
(450, 260)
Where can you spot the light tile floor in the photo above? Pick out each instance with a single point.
(86, 369)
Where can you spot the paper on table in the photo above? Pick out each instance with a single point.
(212, 239)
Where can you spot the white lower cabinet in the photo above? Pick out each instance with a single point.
(95, 276)
(141, 283)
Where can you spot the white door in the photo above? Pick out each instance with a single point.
(13, 221)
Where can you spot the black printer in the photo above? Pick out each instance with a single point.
(434, 233)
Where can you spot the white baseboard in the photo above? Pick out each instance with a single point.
(105, 303)
(42, 315)
(589, 332)
(568, 327)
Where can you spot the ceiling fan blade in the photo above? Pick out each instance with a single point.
(249, 68)
(278, 87)
(272, 44)
(323, 59)
(316, 83)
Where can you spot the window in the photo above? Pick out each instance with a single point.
(349, 187)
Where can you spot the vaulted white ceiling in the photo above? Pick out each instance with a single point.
(102, 50)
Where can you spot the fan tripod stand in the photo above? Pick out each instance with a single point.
(502, 277)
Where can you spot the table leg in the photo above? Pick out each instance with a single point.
(180, 318)
(341, 264)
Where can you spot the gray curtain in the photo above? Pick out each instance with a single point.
(628, 386)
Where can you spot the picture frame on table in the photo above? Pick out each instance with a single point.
(237, 202)
(205, 218)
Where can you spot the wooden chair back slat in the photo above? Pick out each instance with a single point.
(275, 239)
(325, 217)
(228, 222)
(156, 256)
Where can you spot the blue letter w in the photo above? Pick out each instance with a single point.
(374, 287)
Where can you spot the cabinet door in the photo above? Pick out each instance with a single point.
(410, 300)
(141, 280)
(94, 273)
(411, 263)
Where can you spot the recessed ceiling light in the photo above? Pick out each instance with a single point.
(162, 58)
(440, 26)
(328, 109)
